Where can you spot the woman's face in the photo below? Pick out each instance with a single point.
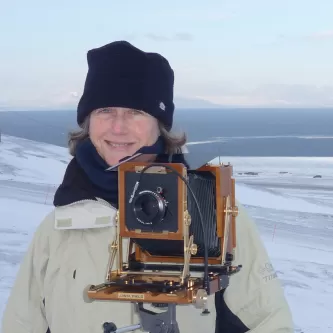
(120, 132)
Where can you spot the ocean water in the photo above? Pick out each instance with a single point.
(242, 132)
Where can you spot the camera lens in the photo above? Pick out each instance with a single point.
(149, 207)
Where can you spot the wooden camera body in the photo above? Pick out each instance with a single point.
(165, 233)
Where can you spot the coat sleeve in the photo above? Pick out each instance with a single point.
(24, 311)
(254, 301)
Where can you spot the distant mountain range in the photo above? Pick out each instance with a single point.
(184, 103)
(264, 97)
(180, 102)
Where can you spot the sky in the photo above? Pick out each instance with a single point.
(229, 52)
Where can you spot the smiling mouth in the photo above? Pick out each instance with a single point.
(119, 144)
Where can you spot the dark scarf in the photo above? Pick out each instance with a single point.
(86, 176)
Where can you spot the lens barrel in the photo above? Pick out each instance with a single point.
(149, 207)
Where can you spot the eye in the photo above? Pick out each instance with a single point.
(105, 110)
(136, 112)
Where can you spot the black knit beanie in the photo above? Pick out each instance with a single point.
(121, 75)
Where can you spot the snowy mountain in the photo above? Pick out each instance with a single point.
(291, 200)
(71, 99)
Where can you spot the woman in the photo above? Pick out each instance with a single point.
(127, 107)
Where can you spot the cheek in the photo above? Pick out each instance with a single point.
(146, 131)
(97, 129)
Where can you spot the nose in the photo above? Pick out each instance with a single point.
(118, 123)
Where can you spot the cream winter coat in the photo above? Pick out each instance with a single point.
(69, 251)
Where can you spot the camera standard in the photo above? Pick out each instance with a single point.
(178, 226)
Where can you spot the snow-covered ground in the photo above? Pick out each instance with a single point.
(291, 200)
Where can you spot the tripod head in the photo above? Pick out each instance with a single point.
(164, 322)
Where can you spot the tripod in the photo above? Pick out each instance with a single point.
(152, 322)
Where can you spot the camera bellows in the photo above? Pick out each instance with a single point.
(203, 184)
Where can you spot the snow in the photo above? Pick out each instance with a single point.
(293, 211)
(31, 162)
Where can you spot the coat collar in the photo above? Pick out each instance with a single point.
(85, 214)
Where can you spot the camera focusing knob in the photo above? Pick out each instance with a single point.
(109, 327)
(200, 299)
